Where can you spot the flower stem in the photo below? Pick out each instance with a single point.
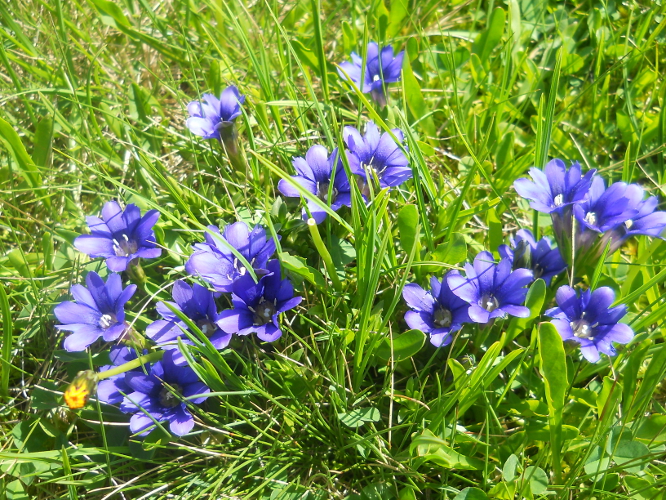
(136, 273)
(323, 251)
(131, 365)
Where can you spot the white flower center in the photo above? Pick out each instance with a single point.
(375, 78)
(124, 248)
(629, 223)
(106, 321)
(582, 329)
(558, 200)
(443, 317)
(591, 218)
(489, 302)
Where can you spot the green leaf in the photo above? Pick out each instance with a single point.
(356, 418)
(652, 429)
(509, 469)
(451, 252)
(538, 480)
(348, 37)
(471, 494)
(490, 38)
(298, 266)
(408, 221)
(433, 449)
(399, 9)
(554, 369)
(631, 451)
(12, 142)
(306, 55)
(43, 142)
(405, 345)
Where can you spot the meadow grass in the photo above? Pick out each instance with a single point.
(344, 405)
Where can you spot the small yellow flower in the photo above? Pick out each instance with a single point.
(79, 391)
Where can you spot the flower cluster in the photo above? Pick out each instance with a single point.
(235, 260)
(588, 216)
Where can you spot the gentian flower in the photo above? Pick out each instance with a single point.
(98, 311)
(257, 306)
(120, 236)
(590, 321)
(524, 252)
(208, 118)
(555, 187)
(216, 263)
(159, 394)
(438, 312)
(198, 304)
(378, 153)
(316, 172)
(111, 390)
(380, 69)
(492, 290)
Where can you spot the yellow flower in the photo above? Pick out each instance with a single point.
(78, 392)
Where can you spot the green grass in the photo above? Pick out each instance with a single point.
(92, 102)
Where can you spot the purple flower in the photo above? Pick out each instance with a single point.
(217, 264)
(590, 321)
(257, 306)
(377, 153)
(492, 290)
(380, 69)
(120, 236)
(198, 304)
(603, 209)
(112, 389)
(159, 395)
(99, 311)
(438, 312)
(208, 117)
(556, 187)
(524, 252)
(316, 172)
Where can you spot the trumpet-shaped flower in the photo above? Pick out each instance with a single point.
(316, 172)
(525, 252)
(438, 312)
(555, 187)
(198, 304)
(589, 321)
(257, 306)
(217, 264)
(492, 290)
(98, 311)
(120, 236)
(158, 396)
(380, 70)
(378, 153)
(208, 117)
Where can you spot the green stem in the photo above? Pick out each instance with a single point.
(136, 273)
(131, 365)
(325, 255)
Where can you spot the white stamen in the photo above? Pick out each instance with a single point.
(591, 218)
(375, 78)
(629, 223)
(105, 321)
(558, 200)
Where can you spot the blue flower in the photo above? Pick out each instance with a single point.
(438, 312)
(377, 153)
(315, 173)
(257, 306)
(112, 389)
(207, 118)
(158, 395)
(524, 252)
(198, 304)
(555, 188)
(590, 321)
(216, 263)
(492, 290)
(380, 69)
(98, 311)
(120, 236)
